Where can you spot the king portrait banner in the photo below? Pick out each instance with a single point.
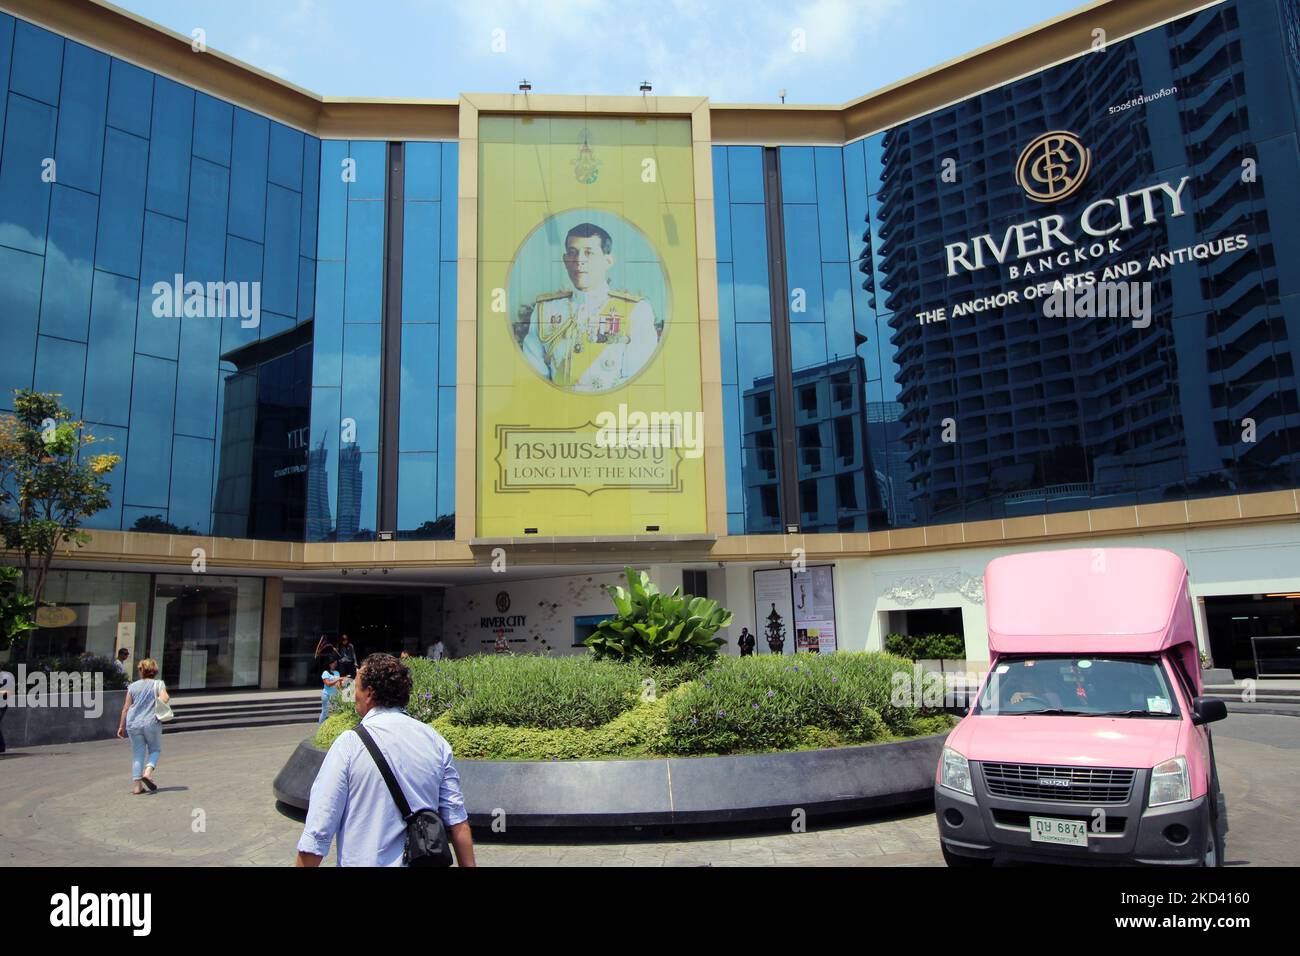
(589, 390)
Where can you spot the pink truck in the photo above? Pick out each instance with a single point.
(1089, 740)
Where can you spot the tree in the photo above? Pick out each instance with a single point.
(49, 484)
(17, 610)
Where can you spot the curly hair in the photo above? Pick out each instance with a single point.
(387, 680)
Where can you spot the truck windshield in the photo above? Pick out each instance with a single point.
(1079, 686)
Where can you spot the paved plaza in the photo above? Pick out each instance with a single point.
(71, 806)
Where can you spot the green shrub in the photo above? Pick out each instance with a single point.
(766, 703)
(635, 733)
(657, 627)
(728, 705)
(521, 690)
(334, 726)
(924, 726)
(926, 647)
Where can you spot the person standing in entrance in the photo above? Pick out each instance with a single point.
(350, 799)
(347, 657)
(745, 642)
(140, 723)
(332, 681)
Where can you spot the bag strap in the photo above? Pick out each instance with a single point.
(394, 788)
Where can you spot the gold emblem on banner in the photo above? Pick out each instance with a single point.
(586, 165)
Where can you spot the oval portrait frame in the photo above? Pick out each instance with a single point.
(568, 218)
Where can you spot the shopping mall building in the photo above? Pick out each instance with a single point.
(410, 369)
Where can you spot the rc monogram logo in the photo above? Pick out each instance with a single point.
(503, 601)
(1053, 166)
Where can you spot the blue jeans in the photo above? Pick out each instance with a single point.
(324, 708)
(144, 739)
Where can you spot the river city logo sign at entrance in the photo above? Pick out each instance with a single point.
(1053, 166)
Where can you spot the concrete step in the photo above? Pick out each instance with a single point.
(1291, 709)
(1261, 688)
(217, 711)
(237, 702)
(178, 726)
(214, 711)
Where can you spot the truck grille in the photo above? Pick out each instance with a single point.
(1091, 785)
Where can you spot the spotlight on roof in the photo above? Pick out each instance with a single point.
(524, 86)
(782, 95)
(645, 87)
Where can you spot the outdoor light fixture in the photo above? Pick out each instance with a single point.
(782, 95)
(792, 529)
(530, 531)
(524, 86)
(645, 87)
(385, 536)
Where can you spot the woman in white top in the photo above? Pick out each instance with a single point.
(142, 726)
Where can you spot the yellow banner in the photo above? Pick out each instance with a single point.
(589, 396)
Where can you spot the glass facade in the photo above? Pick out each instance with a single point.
(426, 481)
(349, 364)
(114, 182)
(218, 295)
(997, 410)
(94, 612)
(248, 405)
(207, 630)
(745, 329)
(203, 630)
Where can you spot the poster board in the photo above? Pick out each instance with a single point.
(795, 612)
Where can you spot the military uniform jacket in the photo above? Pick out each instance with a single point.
(592, 341)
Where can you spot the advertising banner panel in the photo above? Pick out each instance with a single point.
(590, 417)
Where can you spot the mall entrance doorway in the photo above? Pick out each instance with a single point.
(1246, 628)
(375, 619)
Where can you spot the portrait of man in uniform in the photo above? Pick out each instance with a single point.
(588, 338)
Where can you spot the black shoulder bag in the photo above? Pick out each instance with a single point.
(426, 837)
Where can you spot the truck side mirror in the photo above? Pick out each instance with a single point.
(1206, 710)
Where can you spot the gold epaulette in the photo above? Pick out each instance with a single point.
(629, 296)
(548, 296)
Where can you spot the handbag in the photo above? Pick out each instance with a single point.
(161, 709)
(426, 837)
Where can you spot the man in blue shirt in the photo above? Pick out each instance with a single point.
(350, 800)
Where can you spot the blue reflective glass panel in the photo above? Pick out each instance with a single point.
(80, 148)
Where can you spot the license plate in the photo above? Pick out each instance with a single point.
(1052, 830)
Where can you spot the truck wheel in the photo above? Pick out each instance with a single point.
(1214, 842)
(957, 861)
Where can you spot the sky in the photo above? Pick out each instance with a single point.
(818, 51)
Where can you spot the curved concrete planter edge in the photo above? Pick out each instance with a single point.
(675, 790)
